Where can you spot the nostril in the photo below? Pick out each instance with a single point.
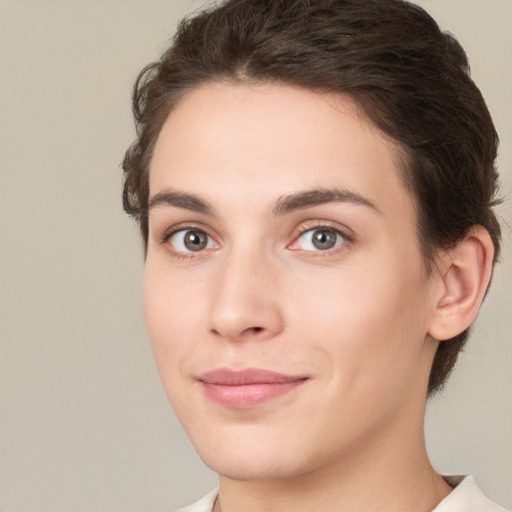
(257, 329)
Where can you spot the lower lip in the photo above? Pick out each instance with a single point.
(248, 395)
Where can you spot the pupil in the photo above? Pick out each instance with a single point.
(195, 240)
(323, 239)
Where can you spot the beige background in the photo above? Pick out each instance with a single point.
(84, 424)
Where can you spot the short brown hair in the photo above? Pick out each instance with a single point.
(407, 76)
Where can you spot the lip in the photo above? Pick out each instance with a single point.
(244, 389)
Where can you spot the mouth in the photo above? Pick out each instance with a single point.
(244, 389)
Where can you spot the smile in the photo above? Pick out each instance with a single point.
(246, 388)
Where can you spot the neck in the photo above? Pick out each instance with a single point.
(391, 473)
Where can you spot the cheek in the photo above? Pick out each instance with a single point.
(368, 320)
(171, 312)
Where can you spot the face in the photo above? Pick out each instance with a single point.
(284, 293)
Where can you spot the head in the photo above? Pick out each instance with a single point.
(413, 84)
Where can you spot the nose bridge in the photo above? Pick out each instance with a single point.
(245, 300)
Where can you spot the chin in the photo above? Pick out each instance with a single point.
(250, 454)
(247, 468)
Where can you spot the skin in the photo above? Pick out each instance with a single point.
(355, 320)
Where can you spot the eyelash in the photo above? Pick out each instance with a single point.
(176, 229)
(348, 239)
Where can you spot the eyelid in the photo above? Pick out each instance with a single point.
(186, 226)
(311, 225)
(319, 225)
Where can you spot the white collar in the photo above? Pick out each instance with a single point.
(205, 504)
(465, 497)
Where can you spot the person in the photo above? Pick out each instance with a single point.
(315, 185)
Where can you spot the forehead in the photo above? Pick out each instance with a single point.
(250, 143)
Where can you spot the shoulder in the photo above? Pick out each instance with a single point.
(466, 497)
(205, 504)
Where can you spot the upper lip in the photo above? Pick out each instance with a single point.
(228, 377)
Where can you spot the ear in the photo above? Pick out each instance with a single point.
(464, 273)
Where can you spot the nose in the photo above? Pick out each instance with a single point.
(245, 301)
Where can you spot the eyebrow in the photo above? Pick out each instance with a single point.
(316, 197)
(180, 200)
(284, 205)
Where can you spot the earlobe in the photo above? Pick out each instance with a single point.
(464, 273)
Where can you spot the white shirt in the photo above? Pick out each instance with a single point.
(466, 497)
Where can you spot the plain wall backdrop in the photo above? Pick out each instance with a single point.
(84, 423)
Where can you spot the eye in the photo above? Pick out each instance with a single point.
(320, 239)
(190, 240)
